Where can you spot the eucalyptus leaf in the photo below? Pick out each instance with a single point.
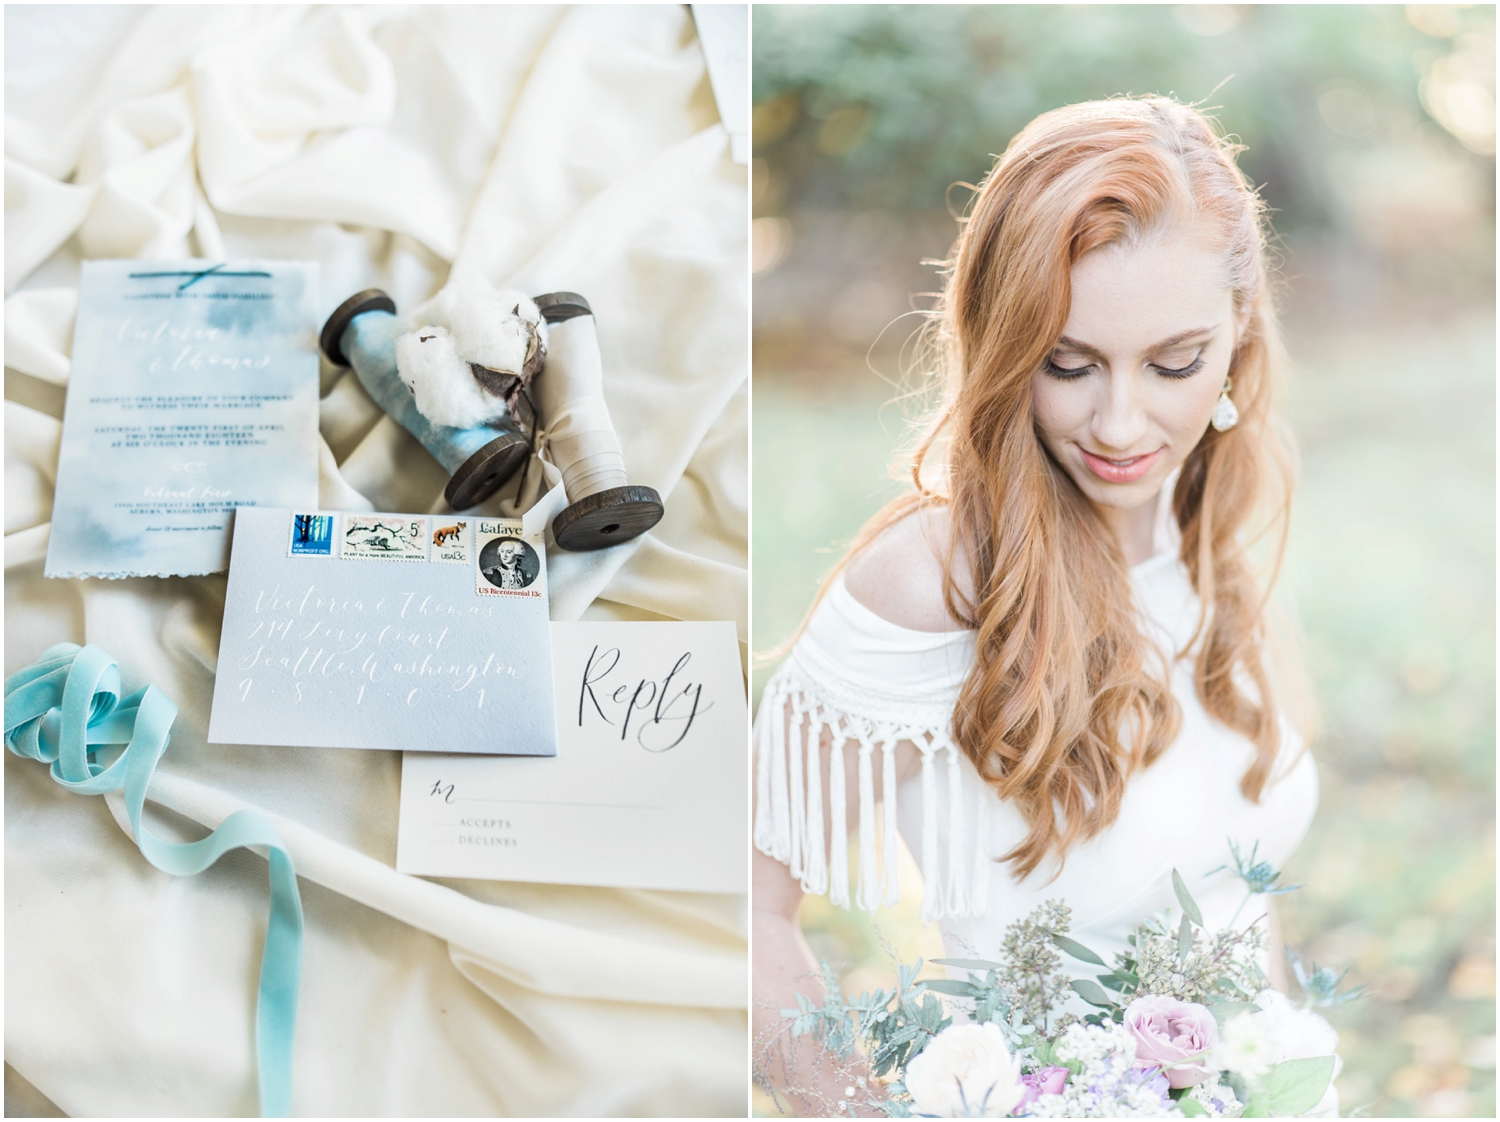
(1091, 992)
(1257, 1107)
(1184, 939)
(1109, 981)
(1293, 1087)
(1185, 898)
(970, 963)
(1077, 950)
(954, 989)
(1190, 1107)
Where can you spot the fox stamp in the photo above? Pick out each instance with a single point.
(451, 543)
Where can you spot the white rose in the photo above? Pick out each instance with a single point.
(1295, 1034)
(966, 1072)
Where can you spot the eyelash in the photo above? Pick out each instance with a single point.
(1182, 371)
(1067, 374)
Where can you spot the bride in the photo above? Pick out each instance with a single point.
(1049, 666)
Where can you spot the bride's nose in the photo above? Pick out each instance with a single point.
(1119, 420)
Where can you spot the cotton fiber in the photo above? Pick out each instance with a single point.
(442, 382)
(468, 325)
(493, 328)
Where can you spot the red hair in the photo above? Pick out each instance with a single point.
(1067, 696)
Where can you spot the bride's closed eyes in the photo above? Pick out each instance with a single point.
(1067, 373)
(1180, 364)
(1180, 371)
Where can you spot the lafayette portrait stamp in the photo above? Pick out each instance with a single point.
(384, 537)
(507, 565)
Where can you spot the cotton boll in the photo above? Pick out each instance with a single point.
(497, 329)
(429, 363)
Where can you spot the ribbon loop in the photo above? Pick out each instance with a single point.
(65, 707)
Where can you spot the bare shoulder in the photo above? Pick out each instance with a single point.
(899, 576)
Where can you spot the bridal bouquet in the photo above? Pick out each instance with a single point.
(1183, 1024)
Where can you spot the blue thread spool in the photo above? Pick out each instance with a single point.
(479, 460)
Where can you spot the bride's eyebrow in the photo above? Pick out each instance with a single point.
(1171, 341)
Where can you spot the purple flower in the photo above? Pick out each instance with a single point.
(1172, 1035)
(1047, 1081)
(1150, 1077)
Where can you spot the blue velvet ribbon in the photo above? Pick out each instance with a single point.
(65, 710)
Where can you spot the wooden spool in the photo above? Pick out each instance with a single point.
(481, 460)
(611, 515)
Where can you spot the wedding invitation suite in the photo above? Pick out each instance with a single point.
(396, 631)
(194, 390)
(648, 789)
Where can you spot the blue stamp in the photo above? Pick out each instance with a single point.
(312, 534)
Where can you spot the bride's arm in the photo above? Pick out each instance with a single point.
(782, 963)
(899, 576)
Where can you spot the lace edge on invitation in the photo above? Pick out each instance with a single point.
(126, 574)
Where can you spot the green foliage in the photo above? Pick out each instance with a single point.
(1032, 966)
(887, 105)
(1321, 985)
(1290, 1088)
(1190, 908)
(892, 1025)
(1260, 877)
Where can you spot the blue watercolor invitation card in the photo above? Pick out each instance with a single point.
(398, 631)
(194, 390)
(650, 787)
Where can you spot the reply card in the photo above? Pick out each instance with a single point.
(648, 789)
(397, 631)
(194, 390)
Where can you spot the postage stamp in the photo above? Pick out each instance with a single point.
(311, 534)
(507, 565)
(451, 542)
(384, 537)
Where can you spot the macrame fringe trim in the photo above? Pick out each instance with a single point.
(789, 819)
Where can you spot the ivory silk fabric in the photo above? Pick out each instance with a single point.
(543, 148)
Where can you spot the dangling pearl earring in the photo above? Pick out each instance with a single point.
(1226, 416)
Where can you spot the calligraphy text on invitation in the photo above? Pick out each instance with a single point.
(359, 631)
(194, 390)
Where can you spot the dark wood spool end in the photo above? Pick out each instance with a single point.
(332, 337)
(487, 470)
(558, 306)
(607, 518)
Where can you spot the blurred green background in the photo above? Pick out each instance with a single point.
(1372, 132)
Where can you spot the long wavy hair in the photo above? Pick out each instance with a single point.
(1067, 696)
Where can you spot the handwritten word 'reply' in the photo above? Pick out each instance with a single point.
(672, 707)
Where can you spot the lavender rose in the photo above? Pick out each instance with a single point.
(1047, 1081)
(1172, 1034)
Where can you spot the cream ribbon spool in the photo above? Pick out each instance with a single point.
(570, 395)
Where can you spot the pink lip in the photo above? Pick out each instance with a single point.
(1120, 471)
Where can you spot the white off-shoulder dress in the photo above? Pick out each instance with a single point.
(872, 684)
